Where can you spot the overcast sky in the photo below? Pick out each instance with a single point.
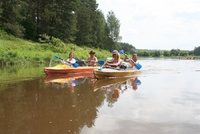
(157, 24)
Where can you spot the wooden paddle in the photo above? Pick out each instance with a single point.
(75, 65)
(137, 65)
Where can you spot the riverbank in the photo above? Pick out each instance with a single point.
(18, 51)
(15, 51)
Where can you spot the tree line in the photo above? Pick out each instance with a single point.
(72, 21)
(169, 53)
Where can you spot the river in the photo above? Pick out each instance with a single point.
(164, 98)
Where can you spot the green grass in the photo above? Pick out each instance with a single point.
(15, 51)
(18, 51)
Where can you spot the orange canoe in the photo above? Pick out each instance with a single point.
(63, 69)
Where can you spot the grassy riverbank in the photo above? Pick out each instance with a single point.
(18, 51)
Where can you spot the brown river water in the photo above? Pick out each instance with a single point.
(163, 99)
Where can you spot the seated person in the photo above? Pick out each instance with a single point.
(115, 61)
(92, 60)
(131, 61)
(70, 60)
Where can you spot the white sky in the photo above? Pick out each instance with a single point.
(157, 24)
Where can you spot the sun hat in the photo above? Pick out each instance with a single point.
(91, 52)
(115, 52)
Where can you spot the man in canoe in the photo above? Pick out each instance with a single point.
(115, 61)
(70, 60)
(132, 61)
(92, 60)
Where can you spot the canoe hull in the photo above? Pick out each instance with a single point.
(106, 73)
(63, 70)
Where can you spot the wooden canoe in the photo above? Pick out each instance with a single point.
(63, 69)
(107, 72)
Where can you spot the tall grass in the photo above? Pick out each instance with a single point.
(18, 51)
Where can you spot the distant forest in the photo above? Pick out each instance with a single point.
(73, 21)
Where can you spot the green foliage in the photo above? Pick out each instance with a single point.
(174, 52)
(197, 51)
(113, 25)
(144, 53)
(166, 53)
(30, 28)
(18, 51)
(156, 53)
(86, 23)
(12, 16)
(183, 53)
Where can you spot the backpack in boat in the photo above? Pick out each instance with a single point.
(124, 65)
(80, 62)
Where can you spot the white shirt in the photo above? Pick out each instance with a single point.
(71, 61)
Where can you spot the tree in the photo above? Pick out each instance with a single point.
(1, 10)
(156, 53)
(100, 30)
(197, 51)
(113, 25)
(12, 16)
(183, 53)
(174, 52)
(166, 53)
(86, 19)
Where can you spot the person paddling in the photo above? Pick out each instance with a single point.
(92, 60)
(115, 61)
(70, 60)
(131, 61)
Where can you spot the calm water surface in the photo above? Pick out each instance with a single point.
(163, 99)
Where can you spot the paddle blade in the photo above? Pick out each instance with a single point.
(101, 62)
(56, 57)
(121, 51)
(138, 82)
(138, 66)
(100, 68)
(75, 65)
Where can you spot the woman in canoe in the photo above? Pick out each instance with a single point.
(92, 60)
(115, 61)
(132, 61)
(70, 60)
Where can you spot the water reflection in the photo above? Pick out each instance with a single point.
(114, 87)
(36, 107)
(163, 99)
(68, 80)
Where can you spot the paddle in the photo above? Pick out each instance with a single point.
(101, 62)
(75, 65)
(137, 65)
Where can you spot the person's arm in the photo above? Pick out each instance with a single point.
(108, 62)
(95, 61)
(116, 64)
(126, 59)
